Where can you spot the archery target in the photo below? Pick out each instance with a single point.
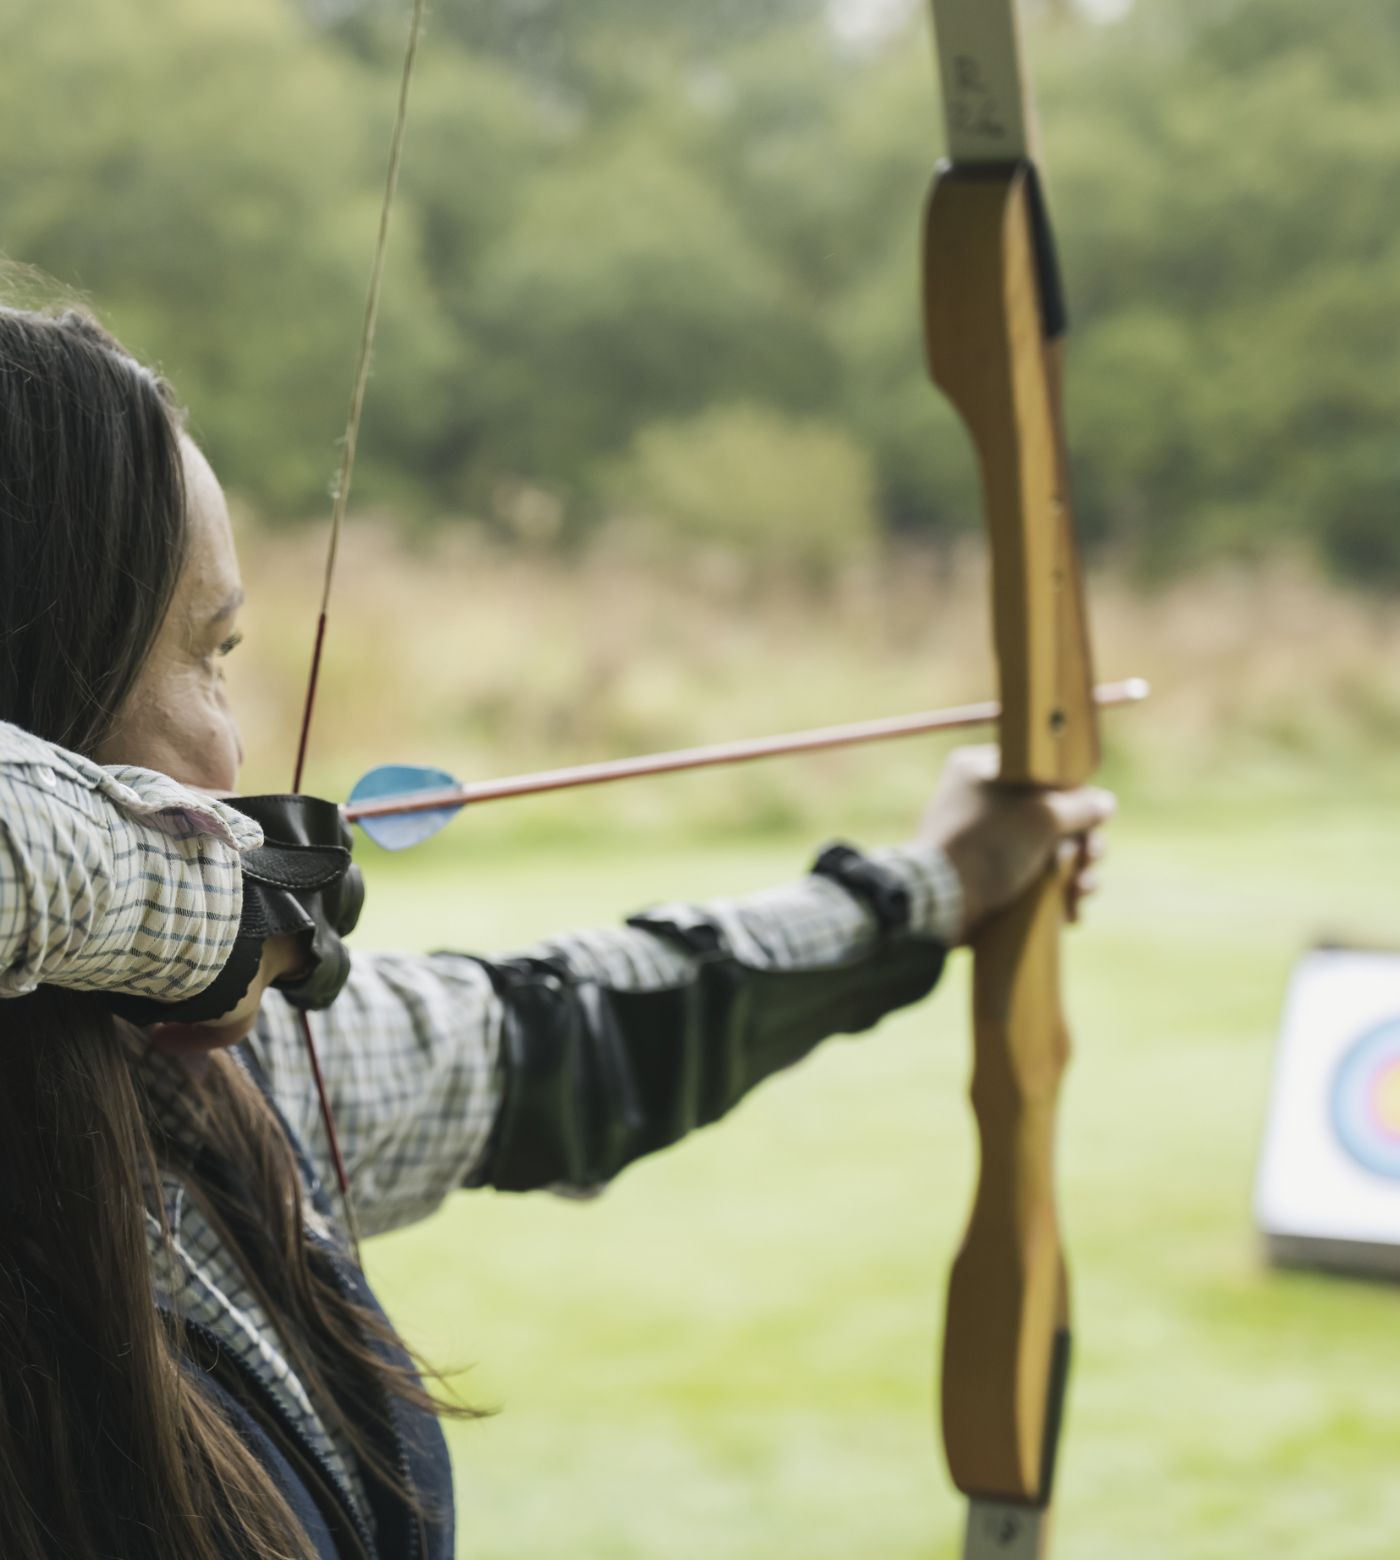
(1328, 1191)
(1366, 1100)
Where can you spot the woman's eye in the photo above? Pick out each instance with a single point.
(227, 647)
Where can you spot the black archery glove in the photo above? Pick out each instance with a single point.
(307, 884)
(300, 882)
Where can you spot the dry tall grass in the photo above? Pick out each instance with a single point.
(458, 653)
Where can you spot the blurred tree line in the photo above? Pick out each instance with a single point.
(656, 258)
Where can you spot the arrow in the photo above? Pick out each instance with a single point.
(429, 798)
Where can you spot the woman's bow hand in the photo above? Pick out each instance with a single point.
(1000, 838)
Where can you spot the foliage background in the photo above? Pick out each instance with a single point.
(639, 244)
(650, 459)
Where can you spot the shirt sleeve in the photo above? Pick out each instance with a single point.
(112, 879)
(412, 1049)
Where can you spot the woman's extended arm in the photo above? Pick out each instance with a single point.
(112, 879)
(559, 1065)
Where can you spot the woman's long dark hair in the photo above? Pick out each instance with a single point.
(109, 1447)
(92, 524)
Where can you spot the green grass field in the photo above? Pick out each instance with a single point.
(732, 1351)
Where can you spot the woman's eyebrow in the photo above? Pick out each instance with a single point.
(230, 606)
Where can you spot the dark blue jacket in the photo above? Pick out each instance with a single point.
(405, 1438)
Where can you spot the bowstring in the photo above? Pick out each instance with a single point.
(339, 504)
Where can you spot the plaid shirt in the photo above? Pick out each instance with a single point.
(123, 880)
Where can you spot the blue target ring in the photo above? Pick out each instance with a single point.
(1366, 1100)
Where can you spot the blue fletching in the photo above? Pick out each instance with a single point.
(402, 780)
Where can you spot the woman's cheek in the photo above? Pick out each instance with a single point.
(225, 747)
(210, 747)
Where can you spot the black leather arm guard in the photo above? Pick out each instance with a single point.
(595, 1078)
(300, 882)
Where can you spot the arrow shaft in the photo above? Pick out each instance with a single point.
(856, 734)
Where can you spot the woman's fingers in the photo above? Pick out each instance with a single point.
(1079, 816)
(199, 1039)
(280, 956)
(979, 761)
(1080, 811)
(1078, 860)
(1077, 890)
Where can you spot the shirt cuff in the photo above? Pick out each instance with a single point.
(175, 810)
(154, 799)
(935, 890)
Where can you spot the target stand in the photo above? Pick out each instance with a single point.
(1328, 1190)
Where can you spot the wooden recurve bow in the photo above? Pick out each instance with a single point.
(994, 319)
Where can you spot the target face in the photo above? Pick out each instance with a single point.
(1328, 1191)
(1366, 1100)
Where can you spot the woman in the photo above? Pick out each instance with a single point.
(191, 1365)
